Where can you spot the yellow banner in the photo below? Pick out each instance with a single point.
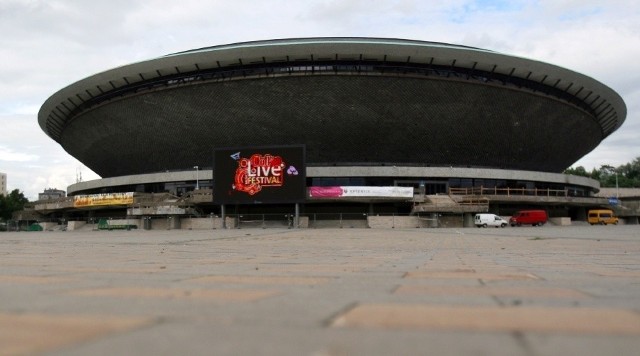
(80, 201)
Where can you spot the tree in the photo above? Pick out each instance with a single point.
(631, 170)
(623, 176)
(608, 176)
(578, 171)
(14, 201)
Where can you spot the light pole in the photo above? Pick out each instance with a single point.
(617, 189)
(612, 170)
(197, 180)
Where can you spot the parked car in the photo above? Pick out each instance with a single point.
(484, 220)
(602, 217)
(525, 217)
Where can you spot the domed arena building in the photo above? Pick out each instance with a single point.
(371, 115)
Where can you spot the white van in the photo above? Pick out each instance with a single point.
(484, 220)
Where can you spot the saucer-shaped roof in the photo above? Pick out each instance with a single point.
(351, 101)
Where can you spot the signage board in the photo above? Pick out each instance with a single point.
(80, 201)
(339, 192)
(255, 175)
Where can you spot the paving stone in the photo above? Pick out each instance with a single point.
(489, 319)
(513, 291)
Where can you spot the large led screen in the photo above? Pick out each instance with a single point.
(255, 175)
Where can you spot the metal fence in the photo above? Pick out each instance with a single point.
(510, 191)
(247, 221)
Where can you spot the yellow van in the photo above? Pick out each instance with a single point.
(602, 217)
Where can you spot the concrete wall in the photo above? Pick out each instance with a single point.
(451, 221)
(373, 222)
(74, 225)
(136, 222)
(398, 222)
(560, 221)
(209, 223)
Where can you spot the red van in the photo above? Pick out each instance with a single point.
(533, 217)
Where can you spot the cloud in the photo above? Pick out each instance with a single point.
(8, 155)
(32, 161)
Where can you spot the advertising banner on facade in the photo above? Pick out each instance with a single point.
(360, 192)
(80, 201)
(256, 175)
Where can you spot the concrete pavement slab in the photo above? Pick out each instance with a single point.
(513, 291)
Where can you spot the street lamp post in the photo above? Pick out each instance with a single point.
(197, 180)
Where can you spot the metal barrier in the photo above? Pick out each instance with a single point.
(339, 220)
(509, 191)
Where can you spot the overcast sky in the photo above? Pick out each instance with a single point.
(49, 44)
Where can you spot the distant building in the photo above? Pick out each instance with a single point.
(51, 193)
(3, 184)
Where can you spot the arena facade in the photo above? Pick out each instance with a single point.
(482, 130)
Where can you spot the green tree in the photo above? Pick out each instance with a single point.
(631, 170)
(10, 203)
(578, 171)
(608, 176)
(623, 176)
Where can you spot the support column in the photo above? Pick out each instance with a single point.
(467, 220)
(434, 220)
(173, 222)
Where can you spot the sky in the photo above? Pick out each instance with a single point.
(49, 44)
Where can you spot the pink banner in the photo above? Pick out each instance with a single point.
(325, 192)
(360, 192)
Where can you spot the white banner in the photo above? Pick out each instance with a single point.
(362, 192)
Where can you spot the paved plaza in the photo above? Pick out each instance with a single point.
(572, 290)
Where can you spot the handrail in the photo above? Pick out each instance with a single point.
(509, 191)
